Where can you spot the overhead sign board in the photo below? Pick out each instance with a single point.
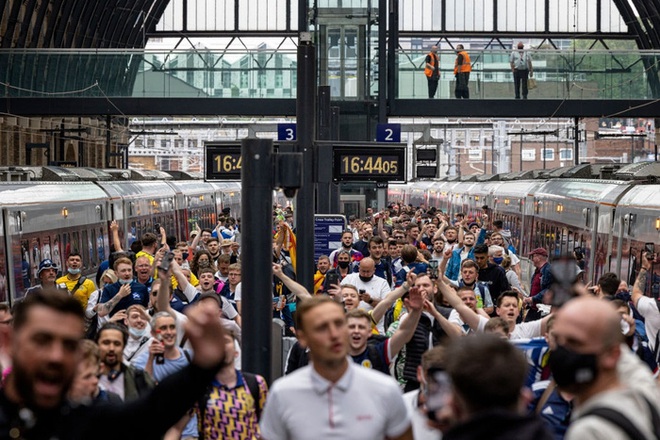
(369, 162)
(327, 233)
(222, 161)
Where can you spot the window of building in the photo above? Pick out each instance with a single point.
(566, 154)
(548, 153)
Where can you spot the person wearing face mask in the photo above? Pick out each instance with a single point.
(615, 395)
(372, 288)
(78, 285)
(342, 269)
(137, 321)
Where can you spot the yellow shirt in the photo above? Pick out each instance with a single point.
(83, 292)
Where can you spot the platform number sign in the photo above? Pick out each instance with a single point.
(388, 133)
(286, 132)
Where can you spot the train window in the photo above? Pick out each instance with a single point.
(57, 251)
(23, 280)
(76, 246)
(3, 270)
(88, 243)
(101, 244)
(66, 247)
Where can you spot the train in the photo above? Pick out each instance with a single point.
(610, 212)
(49, 212)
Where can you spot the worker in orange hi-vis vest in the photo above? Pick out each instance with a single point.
(462, 69)
(432, 70)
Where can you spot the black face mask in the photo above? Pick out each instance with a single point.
(343, 264)
(570, 368)
(366, 279)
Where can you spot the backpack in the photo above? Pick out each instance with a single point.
(615, 417)
(252, 384)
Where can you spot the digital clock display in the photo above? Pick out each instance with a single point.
(385, 164)
(223, 162)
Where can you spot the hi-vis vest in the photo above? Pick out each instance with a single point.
(466, 66)
(434, 61)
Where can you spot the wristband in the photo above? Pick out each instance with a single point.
(405, 286)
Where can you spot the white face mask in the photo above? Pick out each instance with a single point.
(73, 271)
(136, 332)
(129, 281)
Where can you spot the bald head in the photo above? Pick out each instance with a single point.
(588, 322)
(367, 269)
(367, 263)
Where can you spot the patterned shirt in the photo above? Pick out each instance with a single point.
(231, 412)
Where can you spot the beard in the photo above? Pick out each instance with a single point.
(50, 373)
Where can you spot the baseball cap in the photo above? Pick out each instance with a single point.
(473, 224)
(539, 251)
(193, 233)
(46, 264)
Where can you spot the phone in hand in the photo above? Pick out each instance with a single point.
(157, 228)
(650, 248)
(433, 267)
(164, 264)
(332, 278)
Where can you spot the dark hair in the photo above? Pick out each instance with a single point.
(506, 294)
(609, 283)
(74, 253)
(375, 239)
(149, 239)
(481, 249)
(498, 224)
(48, 297)
(486, 371)
(409, 253)
(113, 326)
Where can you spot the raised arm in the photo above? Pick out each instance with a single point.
(414, 304)
(467, 314)
(114, 232)
(295, 287)
(451, 329)
(383, 306)
(640, 282)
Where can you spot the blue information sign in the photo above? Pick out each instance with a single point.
(388, 133)
(327, 233)
(286, 132)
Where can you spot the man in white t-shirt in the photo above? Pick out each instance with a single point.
(333, 396)
(375, 288)
(507, 308)
(469, 298)
(647, 306)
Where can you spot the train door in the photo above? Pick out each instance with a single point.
(353, 205)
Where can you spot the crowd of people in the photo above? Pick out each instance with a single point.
(420, 325)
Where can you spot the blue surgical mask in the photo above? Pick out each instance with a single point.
(136, 332)
(498, 260)
(73, 271)
(122, 281)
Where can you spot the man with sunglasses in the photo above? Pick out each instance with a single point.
(47, 274)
